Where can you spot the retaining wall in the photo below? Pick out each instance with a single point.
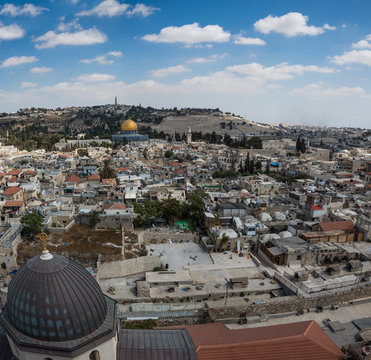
(121, 268)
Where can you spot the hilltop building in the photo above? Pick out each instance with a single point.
(189, 136)
(129, 134)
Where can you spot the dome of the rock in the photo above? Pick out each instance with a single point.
(129, 125)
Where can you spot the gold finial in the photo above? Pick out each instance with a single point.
(43, 237)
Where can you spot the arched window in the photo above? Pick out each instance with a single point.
(94, 355)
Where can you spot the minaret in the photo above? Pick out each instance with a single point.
(115, 100)
(189, 136)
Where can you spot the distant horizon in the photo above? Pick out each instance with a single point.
(302, 62)
(285, 124)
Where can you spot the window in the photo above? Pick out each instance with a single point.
(3, 265)
(94, 355)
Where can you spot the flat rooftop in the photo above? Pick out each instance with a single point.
(180, 255)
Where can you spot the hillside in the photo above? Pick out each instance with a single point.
(218, 122)
(105, 120)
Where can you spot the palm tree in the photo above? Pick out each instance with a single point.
(106, 171)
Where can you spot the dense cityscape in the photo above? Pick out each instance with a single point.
(185, 180)
(227, 230)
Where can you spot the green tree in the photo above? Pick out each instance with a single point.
(83, 152)
(93, 218)
(169, 154)
(225, 238)
(267, 167)
(258, 165)
(303, 148)
(194, 207)
(171, 209)
(145, 211)
(32, 223)
(300, 145)
(106, 171)
(255, 142)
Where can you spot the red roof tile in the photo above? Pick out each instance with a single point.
(317, 207)
(12, 190)
(337, 225)
(30, 172)
(114, 206)
(14, 172)
(72, 178)
(122, 169)
(109, 181)
(297, 341)
(94, 177)
(13, 204)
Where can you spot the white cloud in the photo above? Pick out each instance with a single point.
(107, 8)
(209, 59)
(52, 39)
(73, 25)
(274, 86)
(115, 53)
(291, 24)
(27, 85)
(319, 90)
(90, 78)
(111, 8)
(189, 34)
(41, 70)
(363, 44)
(102, 59)
(223, 82)
(354, 56)
(142, 10)
(281, 71)
(169, 71)
(11, 32)
(26, 10)
(248, 96)
(18, 60)
(241, 40)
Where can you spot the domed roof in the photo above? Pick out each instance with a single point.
(52, 298)
(129, 125)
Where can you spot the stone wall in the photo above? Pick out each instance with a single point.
(288, 304)
(116, 269)
(146, 237)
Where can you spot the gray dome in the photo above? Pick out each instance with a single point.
(55, 299)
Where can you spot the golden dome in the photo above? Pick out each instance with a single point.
(129, 125)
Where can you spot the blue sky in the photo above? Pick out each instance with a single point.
(273, 61)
